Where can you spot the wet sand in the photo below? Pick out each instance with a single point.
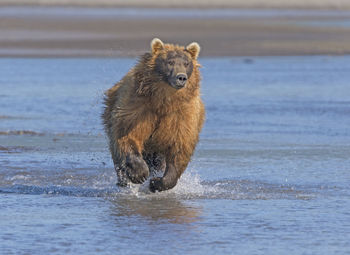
(82, 32)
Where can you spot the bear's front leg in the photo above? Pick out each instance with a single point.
(168, 181)
(136, 168)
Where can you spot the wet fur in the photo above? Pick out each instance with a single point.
(151, 125)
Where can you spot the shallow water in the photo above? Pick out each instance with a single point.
(269, 176)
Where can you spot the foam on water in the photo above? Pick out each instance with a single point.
(190, 186)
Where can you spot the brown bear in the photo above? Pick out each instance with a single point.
(153, 116)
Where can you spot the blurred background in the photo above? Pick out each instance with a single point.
(110, 28)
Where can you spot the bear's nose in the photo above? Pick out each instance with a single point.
(181, 78)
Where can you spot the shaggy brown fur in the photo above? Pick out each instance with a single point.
(153, 116)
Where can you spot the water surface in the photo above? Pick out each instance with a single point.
(270, 174)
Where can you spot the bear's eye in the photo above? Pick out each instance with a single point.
(171, 62)
(186, 64)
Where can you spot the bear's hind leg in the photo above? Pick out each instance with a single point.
(155, 161)
(168, 181)
(175, 166)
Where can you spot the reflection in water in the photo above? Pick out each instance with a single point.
(156, 209)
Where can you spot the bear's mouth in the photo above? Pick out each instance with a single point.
(179, 86)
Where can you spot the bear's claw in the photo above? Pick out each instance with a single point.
(136, 169)
(138, 178)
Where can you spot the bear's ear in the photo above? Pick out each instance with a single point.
(156, 45)
(193, 49)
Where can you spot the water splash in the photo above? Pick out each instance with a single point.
(190, 186)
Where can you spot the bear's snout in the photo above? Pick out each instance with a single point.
(181, 79)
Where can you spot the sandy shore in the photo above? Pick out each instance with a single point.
(113, 32)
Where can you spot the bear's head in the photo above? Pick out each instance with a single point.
(174, 64)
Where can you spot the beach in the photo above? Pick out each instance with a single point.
(52, 31)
